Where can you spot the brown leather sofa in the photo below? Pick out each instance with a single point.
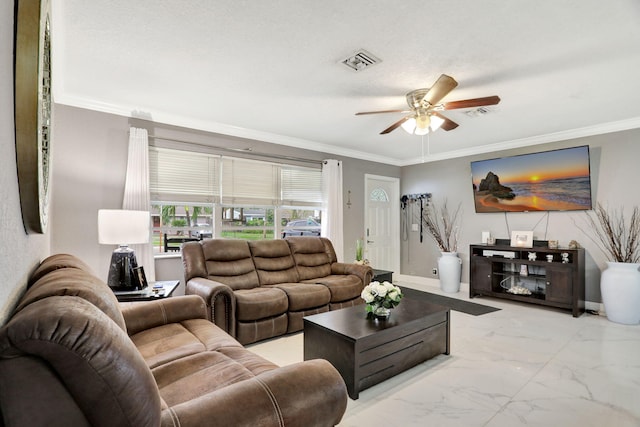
(71, 355)
(261, 289)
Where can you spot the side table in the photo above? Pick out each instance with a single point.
(151, 292)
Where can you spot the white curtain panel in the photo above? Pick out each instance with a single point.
(332, 195)
(136, 193)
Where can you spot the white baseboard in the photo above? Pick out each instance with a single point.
(425, 281)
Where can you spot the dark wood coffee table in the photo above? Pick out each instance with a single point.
(366, 351)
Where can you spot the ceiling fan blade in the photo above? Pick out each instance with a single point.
(448, 123)
(468, 103)
(395, 126)
(440, 89)
(381, 112)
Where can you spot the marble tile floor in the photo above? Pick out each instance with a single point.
(521, 366)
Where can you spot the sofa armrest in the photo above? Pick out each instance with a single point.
(139, 316)
(364, 272)
(219, 299)
(310, 393)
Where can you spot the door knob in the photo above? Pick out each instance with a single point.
(369, 241)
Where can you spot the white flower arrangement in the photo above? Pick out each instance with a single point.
(383, 295)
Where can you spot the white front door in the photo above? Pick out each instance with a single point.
(382, 222)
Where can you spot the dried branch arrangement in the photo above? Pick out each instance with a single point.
(613, 235)
(442, 225)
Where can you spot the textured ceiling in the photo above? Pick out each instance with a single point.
(270, 70)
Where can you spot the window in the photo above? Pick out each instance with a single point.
(378, 195)
(196, 196)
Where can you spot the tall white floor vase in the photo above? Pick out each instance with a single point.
(450, 268)
(620, 289)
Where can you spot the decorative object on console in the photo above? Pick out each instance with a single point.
(443, 228)
(620, 282)
(123, 227)
(553, 244)
(486, 236)
(522, 239)
(523, 270)
(532, 256)
(380, 298)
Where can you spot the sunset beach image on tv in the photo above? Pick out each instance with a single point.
(557, 180)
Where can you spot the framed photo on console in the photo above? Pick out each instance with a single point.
(522, 239)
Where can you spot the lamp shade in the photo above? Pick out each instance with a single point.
(122, 227)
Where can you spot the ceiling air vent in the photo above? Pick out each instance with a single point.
(481, 111)
(360, 60)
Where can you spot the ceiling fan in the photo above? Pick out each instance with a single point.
(425, 108)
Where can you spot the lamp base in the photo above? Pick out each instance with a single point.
(121, 271)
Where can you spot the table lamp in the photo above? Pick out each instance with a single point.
(123, 228)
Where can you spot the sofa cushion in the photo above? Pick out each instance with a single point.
(75, 282)
(342, 287)
(310, 256)
(303, 296)
(166, 343)
(56, 262)
(190, 377)
(230, 262)
(260, 303)
(273, 262)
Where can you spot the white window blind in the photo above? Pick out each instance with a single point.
(191, 177)
(249, 182)
(183, 176)
(301, 186)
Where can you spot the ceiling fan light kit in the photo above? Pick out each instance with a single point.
(422, 125)
(425, 108)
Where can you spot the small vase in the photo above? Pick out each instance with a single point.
(359, 249)
(382, 313)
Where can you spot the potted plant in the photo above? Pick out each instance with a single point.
(442, 225)
(619, 240)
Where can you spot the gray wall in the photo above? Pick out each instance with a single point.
(19, 253)
(90, 159)
(614, 174)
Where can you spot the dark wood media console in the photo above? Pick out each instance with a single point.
(554, 278)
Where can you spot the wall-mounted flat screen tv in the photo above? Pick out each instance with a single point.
(556, 180)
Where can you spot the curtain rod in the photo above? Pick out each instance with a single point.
(239, 150)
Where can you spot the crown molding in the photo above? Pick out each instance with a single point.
(599, 129)
(218, 128)
(236, 131)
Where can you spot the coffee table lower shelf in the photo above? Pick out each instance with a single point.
(367, 352)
